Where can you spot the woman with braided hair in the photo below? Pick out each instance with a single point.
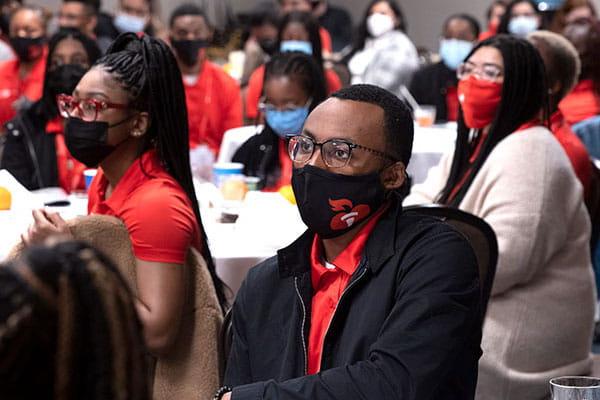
(68, 328)
(128, 115)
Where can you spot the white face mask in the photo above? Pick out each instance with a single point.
(129, 23)
(523, 25)
(379, 24)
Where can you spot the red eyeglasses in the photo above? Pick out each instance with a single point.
(86, 109)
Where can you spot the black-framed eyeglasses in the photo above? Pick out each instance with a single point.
(336, 153)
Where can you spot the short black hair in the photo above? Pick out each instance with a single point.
(472, 21)
(187, 9)
(398, 121)
(91, 6)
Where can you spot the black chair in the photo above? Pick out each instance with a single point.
(478, 233)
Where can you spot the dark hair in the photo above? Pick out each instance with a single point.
(69, 327)
(363, 33)
(475, 28)
(490, 9)
(503, 26)
(398, 122)
(524, 95)
(263, 13)
(300, 68)
(585, 36)
(147, 69)
(312, 27)
(92, 7)
(46, 108)
(186, 9)
(558, 21)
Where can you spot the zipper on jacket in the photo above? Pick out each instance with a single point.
(350, 286)
(303, 324)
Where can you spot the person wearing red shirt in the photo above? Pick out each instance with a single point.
(22, 79)
(213, 98)
(288, 6)
(35, 152)
(127, 115)
(493, 16)
(370, 302)
(298, 31)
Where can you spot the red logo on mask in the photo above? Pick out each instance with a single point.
(347, 215)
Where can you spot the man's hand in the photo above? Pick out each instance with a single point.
(45, 225)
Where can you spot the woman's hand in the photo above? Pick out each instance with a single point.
(46, 224)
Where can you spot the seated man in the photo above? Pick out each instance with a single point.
(369, 303)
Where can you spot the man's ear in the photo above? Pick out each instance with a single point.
(394, 176)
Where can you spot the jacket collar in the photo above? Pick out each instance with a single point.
(294, 260)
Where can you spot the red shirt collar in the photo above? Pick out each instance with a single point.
(55, 125)
(348, 260)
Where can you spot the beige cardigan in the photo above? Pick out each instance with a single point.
(540, 317)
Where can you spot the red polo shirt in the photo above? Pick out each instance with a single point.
(70, 171)
(12, 87)
(581, 103)
(214, 105)
(329, 281)
(156, 211)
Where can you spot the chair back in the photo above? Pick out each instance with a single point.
(589, 133)
(480, 236)
(234, 138)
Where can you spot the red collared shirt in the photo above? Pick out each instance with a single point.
(214, 105)
(329, 281)
(155, 209)
(581, 103)
(70, 171)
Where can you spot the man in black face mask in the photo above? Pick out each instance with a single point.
(213, 98)
(370, 303)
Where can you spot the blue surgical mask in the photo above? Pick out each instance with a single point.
(296, 45)
(129, 23)
(454, 52)
(523, 25)
(287, 122)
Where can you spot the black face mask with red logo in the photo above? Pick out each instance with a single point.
(332, 204)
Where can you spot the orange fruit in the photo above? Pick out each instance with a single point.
(5, 198)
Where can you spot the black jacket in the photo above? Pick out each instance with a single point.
(408, 325)
(260, 156)
(429, 86)
(29, 152)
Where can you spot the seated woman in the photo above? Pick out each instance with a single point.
(509, 170)
(293, 87)
(128, 116)
(35, 152)
(68, 327)
(298, 31)
(520, 19)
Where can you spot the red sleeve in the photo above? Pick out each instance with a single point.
(254, 91)
(326, 45)
(161, 223)
(9, 90)
(233, 113)
(334, 82)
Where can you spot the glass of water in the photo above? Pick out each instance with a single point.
(575, 388)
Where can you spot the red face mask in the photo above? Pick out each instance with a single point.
(479, 100)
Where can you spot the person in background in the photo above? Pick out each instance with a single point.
(435, 84)
(370, 302)
(509, 170)
(262, 40)
(293, 86)
(493, 16)
(520, 19)
(83, 15)
(7, 7)
(138, 16)
(383, 55)
(22, 79)
(213, 98)
(35, 152)
(335, 20)
(298, 31)
(583, 102)
(571, 11)
(307, 6)
(562, 69)
(69, 328)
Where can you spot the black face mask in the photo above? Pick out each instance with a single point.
(332, 204)
(27, 49)
(269, 46)
(87, 141)
(188, 51)
(64, 79)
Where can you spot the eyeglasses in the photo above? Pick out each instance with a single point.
(336, 153)
(86, 109)
(264, 107)
(488, 72)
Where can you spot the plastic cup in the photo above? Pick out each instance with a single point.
(425, 115)
(252, 182)
(575, 388)
(222, 171)
(89, 175)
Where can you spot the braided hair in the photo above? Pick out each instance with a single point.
(147, 69)
(524, 96)
(69, 328)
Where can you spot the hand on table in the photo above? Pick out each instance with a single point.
(46, 225)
